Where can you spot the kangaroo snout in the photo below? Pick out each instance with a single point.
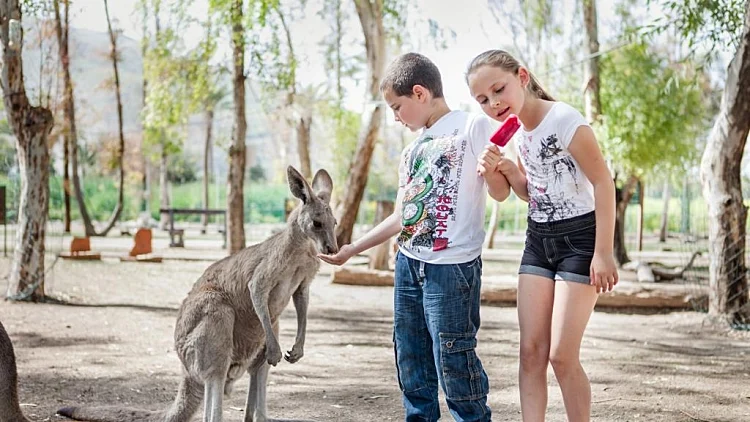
(330, 250)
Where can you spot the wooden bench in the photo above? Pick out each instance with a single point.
(177, 236)
(80, 248)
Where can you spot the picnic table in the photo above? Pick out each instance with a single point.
(176, 236)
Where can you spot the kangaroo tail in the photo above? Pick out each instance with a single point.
(109, 414)
(187, 401)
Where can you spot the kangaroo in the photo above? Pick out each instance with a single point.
(10, 411)
(228, 323)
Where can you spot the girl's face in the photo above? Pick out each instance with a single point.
(499, 92)
(408, 110)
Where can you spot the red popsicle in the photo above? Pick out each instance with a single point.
(506, 131)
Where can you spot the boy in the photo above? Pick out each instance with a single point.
(439, 220)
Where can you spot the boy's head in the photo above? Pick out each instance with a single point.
(410, 84)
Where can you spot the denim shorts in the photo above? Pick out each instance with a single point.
(560, 250)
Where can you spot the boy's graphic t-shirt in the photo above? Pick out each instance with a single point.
(558, 189)
(443, 196)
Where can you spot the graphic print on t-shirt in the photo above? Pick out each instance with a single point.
(431, 192)
(549, 170)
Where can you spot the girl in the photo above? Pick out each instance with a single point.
(568, 256)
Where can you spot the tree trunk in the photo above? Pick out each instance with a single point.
(663, 229)
(30, 125)
(492, 225)
(145, 181)
(591, 93)
(207, 166)
(685, 211)
(623, 196)
(121, 152)
(370, 14)
(720, 177)
(164, 186)
(304, 125)
(66, 182)
(237, 151)
(69, 111)
(380, 255)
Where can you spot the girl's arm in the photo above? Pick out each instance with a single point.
(585, 149)
(516, 176)
(497, 185)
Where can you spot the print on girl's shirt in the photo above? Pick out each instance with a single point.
(431, 191)
(552, 167)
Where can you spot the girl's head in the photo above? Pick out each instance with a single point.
(501, 85)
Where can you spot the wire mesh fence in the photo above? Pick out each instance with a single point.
(686, 226)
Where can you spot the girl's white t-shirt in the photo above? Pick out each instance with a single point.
(443, 197)
(558, 189)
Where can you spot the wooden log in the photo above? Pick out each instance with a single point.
(361, 276)
(625, 295)
(682, 297)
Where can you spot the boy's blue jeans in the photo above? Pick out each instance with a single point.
(436, 318)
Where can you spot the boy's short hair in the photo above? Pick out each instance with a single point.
(412, 69)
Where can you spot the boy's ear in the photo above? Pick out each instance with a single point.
(419, 92)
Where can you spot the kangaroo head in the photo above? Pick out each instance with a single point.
(315, 217)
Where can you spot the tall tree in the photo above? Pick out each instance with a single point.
(370, 13)
(69, 111)
(591, 94)
(722, 188)
(664, 120)
(237, 151)
(145, 179)
(345, 124)
(31, 125)
(722, 26)
(275, 63)
(114, 56)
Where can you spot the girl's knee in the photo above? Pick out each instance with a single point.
(563, 362)
(534, 355)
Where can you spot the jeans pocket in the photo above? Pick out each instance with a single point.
(467, 273)
(461, 369)
(582, 243)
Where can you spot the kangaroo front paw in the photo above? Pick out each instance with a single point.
(295, 354)
(273, 353)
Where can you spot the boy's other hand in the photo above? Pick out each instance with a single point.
(488, 159)
(339, 258)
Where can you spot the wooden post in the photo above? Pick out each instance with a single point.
(2, 220)
(641, 194)
(380, 254)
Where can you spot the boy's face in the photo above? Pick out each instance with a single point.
(500, 93)
(410, 111)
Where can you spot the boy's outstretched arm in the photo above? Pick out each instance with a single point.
(387, 228)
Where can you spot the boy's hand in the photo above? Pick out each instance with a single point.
(603, 272)
(488, 159)
(343, 255)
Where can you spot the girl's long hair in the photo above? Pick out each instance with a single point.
(503, 60)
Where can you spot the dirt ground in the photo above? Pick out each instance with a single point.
(115, 346)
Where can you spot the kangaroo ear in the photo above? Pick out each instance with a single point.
(298, 185)
(322, 185)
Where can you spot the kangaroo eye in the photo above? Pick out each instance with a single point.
(317, 224)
